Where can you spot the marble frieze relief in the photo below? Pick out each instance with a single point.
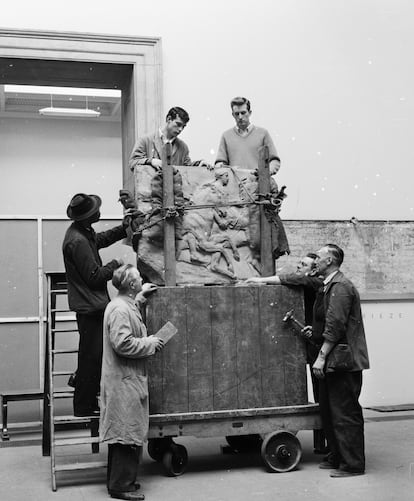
(217, 223)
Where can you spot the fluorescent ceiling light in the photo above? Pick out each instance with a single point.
(69, 112)
(62, 91)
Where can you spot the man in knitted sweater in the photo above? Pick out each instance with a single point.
(239, 146)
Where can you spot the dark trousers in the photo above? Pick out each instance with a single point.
(88, 374)
(319, 440)
(123, 461)
(342, 419)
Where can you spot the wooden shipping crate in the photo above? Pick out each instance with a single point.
(232, 349)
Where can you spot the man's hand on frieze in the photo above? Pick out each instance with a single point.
(204, 163)
(156, 163)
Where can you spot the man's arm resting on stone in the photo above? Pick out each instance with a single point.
(273, 280)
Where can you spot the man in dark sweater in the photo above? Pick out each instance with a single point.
(88, 296)
(306, 276)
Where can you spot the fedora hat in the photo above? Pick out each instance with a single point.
(83, 206)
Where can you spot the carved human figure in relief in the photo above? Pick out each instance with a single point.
(204, 229)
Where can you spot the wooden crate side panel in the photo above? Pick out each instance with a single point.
(232, 349)
(224, 349)
(247, 329)
(200, 365)
(272, 354)
(175, 382)
(294, 349)
(155, 364)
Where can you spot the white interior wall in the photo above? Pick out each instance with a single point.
(388, 329)
(44, 162)
(331, 80)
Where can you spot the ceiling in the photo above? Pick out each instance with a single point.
(24, 104)
(68, 75)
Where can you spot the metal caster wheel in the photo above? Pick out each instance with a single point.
(175, 460)
(281, 451)
(157, 448)
(245, 443)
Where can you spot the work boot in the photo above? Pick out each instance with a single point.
(344, 473)
(129, 496)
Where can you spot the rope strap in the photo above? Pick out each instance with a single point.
(271, 205)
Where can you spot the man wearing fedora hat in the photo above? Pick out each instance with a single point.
(88, 296)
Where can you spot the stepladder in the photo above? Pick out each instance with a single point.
(70, 441)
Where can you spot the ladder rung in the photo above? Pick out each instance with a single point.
(81, 466)
(62, 373)
(64, 330)
(77, 441)
(63, 394)
(73, 419)
(63, 351)
(59, 291)
(59, 310)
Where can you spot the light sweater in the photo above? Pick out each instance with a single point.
(243, 151)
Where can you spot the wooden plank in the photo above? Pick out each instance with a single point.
(224, 349)
(272, 356)
(175, 382)
(200, 365)
(266, 256)
(246, 320)
(169, 223)
(155, 363)
(183, 417)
